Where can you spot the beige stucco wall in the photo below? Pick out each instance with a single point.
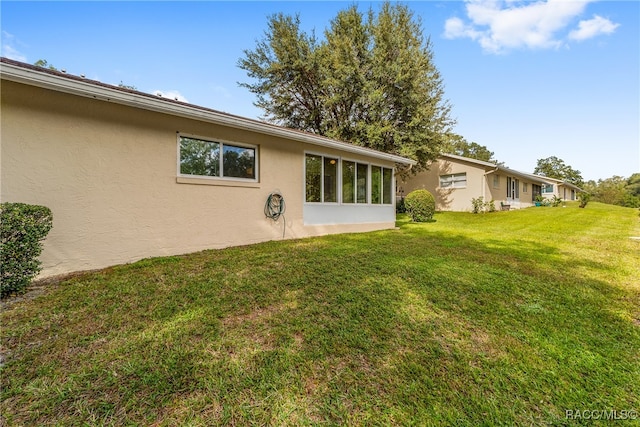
(109, 175)
(478, 185)
(448, 199)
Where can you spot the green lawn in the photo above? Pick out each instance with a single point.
(508, 318)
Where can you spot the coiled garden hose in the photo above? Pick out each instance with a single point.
(274, 208)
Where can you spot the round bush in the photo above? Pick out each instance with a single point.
(22, 228)
(420, 205)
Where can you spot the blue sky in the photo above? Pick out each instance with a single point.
(527, 79)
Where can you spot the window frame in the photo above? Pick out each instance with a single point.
(353, 182)
(338, 184)
(340, 181)
(187, 178)
(513, 186)
(367, 184)
(450, 178)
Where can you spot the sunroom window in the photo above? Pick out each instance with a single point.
(360, 183)
(348, 181)
(321, 179)
(381, 185)
(313, 172)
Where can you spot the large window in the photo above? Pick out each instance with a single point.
(313, 172)
(456, 180)
(361, 182)
(325, 175)
(199, 157)
(376, 185)
(321, 179)
(547, 188)
(387, 186)
(348, 182)
(381, 185)
(330, 180)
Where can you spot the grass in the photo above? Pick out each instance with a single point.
(508, 318)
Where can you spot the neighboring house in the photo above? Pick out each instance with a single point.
(130, 175)
(561, 189)
(455, 180)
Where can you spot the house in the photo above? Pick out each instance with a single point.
(561, 189)
(455, 180)
(129, 175)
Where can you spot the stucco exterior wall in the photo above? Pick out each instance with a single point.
(109, 173)
(480, 183)
(499, 193)
(449, 199)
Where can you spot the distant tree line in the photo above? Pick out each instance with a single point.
(616, 190)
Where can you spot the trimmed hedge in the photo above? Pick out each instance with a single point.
(22, 228)
(420, 205)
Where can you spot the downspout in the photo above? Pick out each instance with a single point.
(486, 182)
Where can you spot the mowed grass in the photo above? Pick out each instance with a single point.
(508, 318)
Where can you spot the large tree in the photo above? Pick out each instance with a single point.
(456, 144)
(554, 167)
(370, 81)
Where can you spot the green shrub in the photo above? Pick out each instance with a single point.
(22, 228)
(584, 199)
(479, 205)
(420, 205)
(400, 207)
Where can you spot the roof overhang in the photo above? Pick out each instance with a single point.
(523, 175)
(493, 167)
(53, 80)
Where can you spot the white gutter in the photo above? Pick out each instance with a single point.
(486, 181)
(74, 85)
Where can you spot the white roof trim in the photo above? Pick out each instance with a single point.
(470, 160)
(496, 167)
(25, 74)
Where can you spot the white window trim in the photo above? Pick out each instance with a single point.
(340, 181)
(544, 188)
(304, 181)
(451, 176)
(382, 192)
(217, 180)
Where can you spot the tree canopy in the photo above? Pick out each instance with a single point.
(616, 190)
(371, 81)
(44, 64)
(456, 144)
(554, 167)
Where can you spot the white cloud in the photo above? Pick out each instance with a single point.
(502, 25)
(170, 94)
(8, 49)
(592, 28)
